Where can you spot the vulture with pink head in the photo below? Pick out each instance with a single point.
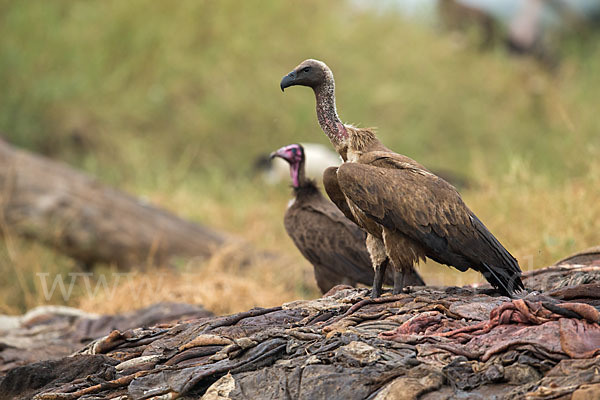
(408, 212)
(333, 244)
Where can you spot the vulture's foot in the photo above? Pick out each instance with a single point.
(399, 278)
(378, 278)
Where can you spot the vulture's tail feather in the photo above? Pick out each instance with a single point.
(507, 284)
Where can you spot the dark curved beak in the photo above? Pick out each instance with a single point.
(278, 153)
(288, 80)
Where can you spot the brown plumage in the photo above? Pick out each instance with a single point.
(408, 212)
(333, 244)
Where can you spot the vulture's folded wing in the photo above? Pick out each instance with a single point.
(331, 242)
(404, 197)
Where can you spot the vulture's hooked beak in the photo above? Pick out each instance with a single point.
(278, 153)
(288, 80)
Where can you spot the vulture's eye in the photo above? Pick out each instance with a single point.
(306, 69)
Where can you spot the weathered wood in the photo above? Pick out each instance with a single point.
(428, 343)
(74, 213)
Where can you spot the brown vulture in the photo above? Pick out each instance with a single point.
(333, 244)
(408, 212)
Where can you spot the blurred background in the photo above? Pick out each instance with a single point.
(176, 102)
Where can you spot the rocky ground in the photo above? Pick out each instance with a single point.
(427, 343)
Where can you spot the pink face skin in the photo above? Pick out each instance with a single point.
(293, 154)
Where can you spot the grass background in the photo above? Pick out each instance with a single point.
(173, 101)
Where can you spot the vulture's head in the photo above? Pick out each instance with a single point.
(294, 155)
(311, 73)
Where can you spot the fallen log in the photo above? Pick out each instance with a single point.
(587, 256)
(427, 343)
(50, 202)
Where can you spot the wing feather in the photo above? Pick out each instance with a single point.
(331, 243)
(335, 193)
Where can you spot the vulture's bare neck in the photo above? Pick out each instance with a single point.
(327, 113)
(343, 137)
(302, 181)
(304, 187)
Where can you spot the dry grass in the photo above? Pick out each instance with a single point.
(21, 262)
(216, 284)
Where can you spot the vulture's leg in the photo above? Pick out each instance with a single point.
(380, 261)
(378, 278)
(399, 280)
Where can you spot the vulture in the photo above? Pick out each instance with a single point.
(333, 244)
(408, 212)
